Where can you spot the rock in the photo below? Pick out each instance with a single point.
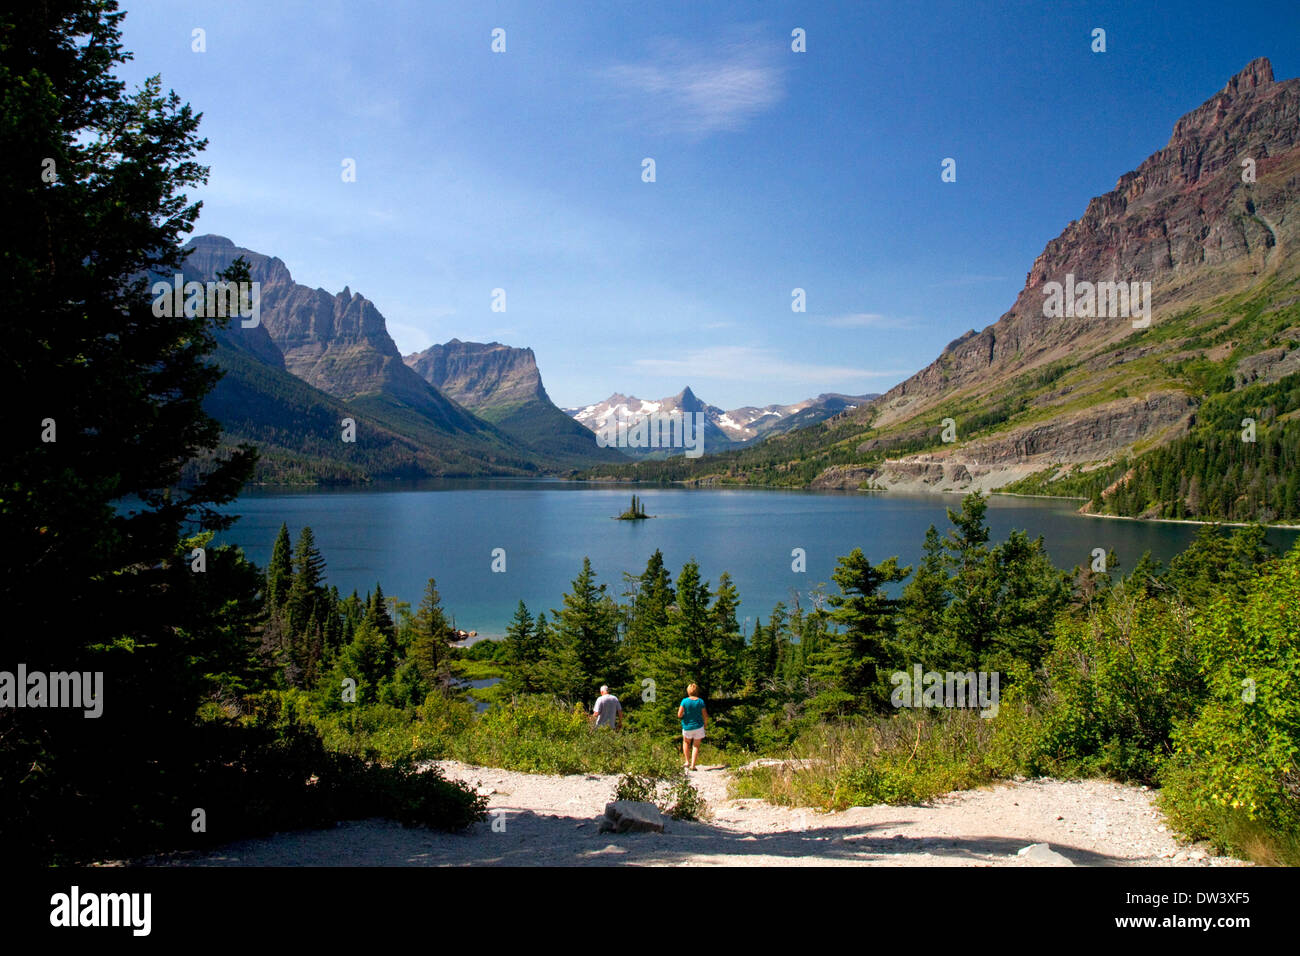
(634, 816)
(1042, 854)
(610, 850)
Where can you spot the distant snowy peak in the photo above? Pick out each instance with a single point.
(739, 425)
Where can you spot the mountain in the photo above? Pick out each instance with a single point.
(718, 430)
(751, 423)
(1050, 399)
(502, 385)
(337, 343)
(316, 358)
(724, 430)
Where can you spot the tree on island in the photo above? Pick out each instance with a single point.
(634, 513)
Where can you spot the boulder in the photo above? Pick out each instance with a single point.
(632, 816)
(1042, 854)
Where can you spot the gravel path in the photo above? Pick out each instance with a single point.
(537, 820)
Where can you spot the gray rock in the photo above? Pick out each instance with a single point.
(1042, 854)
(632, 816)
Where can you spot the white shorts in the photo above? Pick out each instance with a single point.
(696, 734)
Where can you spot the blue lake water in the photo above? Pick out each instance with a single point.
(448, 530)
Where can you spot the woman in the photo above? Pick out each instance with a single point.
(694, 717)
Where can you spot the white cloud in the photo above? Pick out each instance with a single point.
(698, 87)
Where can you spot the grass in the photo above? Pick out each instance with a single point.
(904, 759)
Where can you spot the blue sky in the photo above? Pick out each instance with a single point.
(774, 169)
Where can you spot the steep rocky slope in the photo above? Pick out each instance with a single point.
(317, 357)
(1207, 230)
(503, 385)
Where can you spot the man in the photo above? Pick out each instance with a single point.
(608, 712)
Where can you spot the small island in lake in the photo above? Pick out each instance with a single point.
(636, 512)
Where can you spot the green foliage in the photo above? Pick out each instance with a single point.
(1238, 760)
(850, 660)
(635, 512)
(1211, 473)
(675, 796)
(588, 652)
(92, 524)
(907, 758)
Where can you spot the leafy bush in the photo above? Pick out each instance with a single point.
(674, 795)
(1116, 682)
(1237, 766)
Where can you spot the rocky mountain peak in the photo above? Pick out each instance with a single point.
(1258, 72)
(481, 375)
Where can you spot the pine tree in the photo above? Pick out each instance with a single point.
(308, 572)
(525, 652)
(377, 614)
(970, 619)
(853, 656)
(433, 637)
(728, 642)
(124, 387)
(588, 647)
(279, 574)
(921, 636)
(1031, 592)
(649, 611)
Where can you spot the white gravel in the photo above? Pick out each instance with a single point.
(537, 820)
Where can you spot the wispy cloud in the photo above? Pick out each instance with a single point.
(739, 363)
(700, 87)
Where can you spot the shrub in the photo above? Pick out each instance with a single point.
(1235, 778)
(674, 795)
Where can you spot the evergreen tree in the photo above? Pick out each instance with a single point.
(377, 614)
(1031, 592)
(587, 632)
(308, 572)
(727, 654)
(279, 574)
(921, 635)
(970, 619)
(524, 653)
(433, 637)
(94, 179)
(854, 654)
(369, 660)
(649, 611)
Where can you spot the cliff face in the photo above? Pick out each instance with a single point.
(481, 376)
(337, 343)
(1219, 249)
(1183, 220)
(503, 385)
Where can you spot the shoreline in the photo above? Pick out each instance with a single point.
(691, 486)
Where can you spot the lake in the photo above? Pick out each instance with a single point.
(449, 529)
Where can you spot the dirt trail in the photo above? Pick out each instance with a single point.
(552, 821)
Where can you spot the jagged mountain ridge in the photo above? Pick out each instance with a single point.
(316, 357)
(723, 429)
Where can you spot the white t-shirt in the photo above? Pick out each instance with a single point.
(607, 707)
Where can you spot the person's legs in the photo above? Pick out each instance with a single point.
(695, 751)
(686, 751)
